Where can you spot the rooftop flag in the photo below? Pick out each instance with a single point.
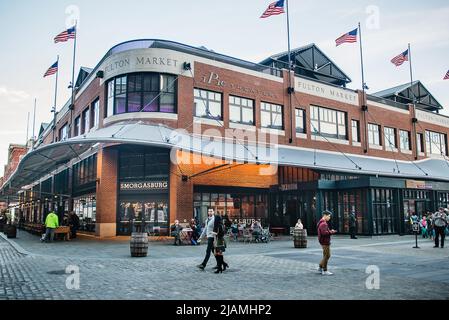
(66, 35)
(52, 70)
(274, 9)
(446, 77)
(349, 37)
(400, 59)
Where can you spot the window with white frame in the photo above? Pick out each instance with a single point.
(420, 142)
(374, 134)
(355, 126)
(271, 116)
(390, 138)
(404, 137)
(436, 143)
(95, 113)
(208, 104)
(241, 110)
(329, 123)
(300, 115)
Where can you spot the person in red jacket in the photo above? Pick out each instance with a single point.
(324, 237)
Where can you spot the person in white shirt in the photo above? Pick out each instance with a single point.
(208, 232)
(299, 225)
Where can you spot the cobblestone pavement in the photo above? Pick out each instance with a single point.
(257, 271)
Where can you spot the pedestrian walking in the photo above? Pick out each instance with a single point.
(208, 232)
(352, 224)
(324, 238)
(176, 232)
(51, 223)
(439, 224)
(423, 225)
(219, 245)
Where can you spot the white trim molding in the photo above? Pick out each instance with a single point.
(141, 116)
(209, 122)
(375, 147)
(332, 140)
(242, 126)
(301, 135)
(356, 144)
(406, 151)
(273, 131)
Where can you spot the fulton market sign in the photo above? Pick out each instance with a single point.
(144, 186)
(144, 60)
(326, 91)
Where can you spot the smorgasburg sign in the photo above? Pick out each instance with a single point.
(144, 186)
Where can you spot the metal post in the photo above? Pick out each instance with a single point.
(34, 123)
(72, 104)
(290, 92)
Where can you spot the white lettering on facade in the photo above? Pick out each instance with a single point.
(324, 91)
(154, 185)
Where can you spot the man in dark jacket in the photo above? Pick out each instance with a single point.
(324, 237)
(74, 223)
(352, 224)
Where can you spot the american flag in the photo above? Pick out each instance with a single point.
(446, 77)
(52, 70)
(400, 59)
(349, 37)
(66, 35)
(274, 9)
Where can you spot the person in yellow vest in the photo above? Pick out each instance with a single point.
(51, 223)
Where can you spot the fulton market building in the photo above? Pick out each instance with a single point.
(160, 131)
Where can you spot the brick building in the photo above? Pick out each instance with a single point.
(160, 131)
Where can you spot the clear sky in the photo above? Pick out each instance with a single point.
(231, 27)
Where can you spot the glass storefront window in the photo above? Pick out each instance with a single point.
(85, 208)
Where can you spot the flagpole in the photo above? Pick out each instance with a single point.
(364, 106)
(28, 127)
(56, 99)
(411, 70)
(290, 91)
(72, 104)
(34, 122)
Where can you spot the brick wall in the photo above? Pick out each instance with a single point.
(107, 162)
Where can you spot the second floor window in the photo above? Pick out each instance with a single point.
(328, 123)
(142, 92)
(405, 140)
(355, 125)
(420, 142)
(86, 121)
(241, 110)
(63, 133)
(95, 113)
(390, 138)
(436, 143)
(271, 116)
(77, 129)
(208, 104)
(374, 134)
(300, 115)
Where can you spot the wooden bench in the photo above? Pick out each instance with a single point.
(65, 231)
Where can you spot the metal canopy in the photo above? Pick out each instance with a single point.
(410, 92)
(311, 62)
(44, 160)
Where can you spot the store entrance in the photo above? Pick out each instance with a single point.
(147, 213)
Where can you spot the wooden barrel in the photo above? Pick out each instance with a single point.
(11, 231)
(139, 245)
(300, 238)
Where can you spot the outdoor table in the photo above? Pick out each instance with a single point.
(65, 231)
(278, 231)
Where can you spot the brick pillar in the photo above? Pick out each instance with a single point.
(181, 196)
(107, 161)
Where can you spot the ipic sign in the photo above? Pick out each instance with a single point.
(150, 185)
